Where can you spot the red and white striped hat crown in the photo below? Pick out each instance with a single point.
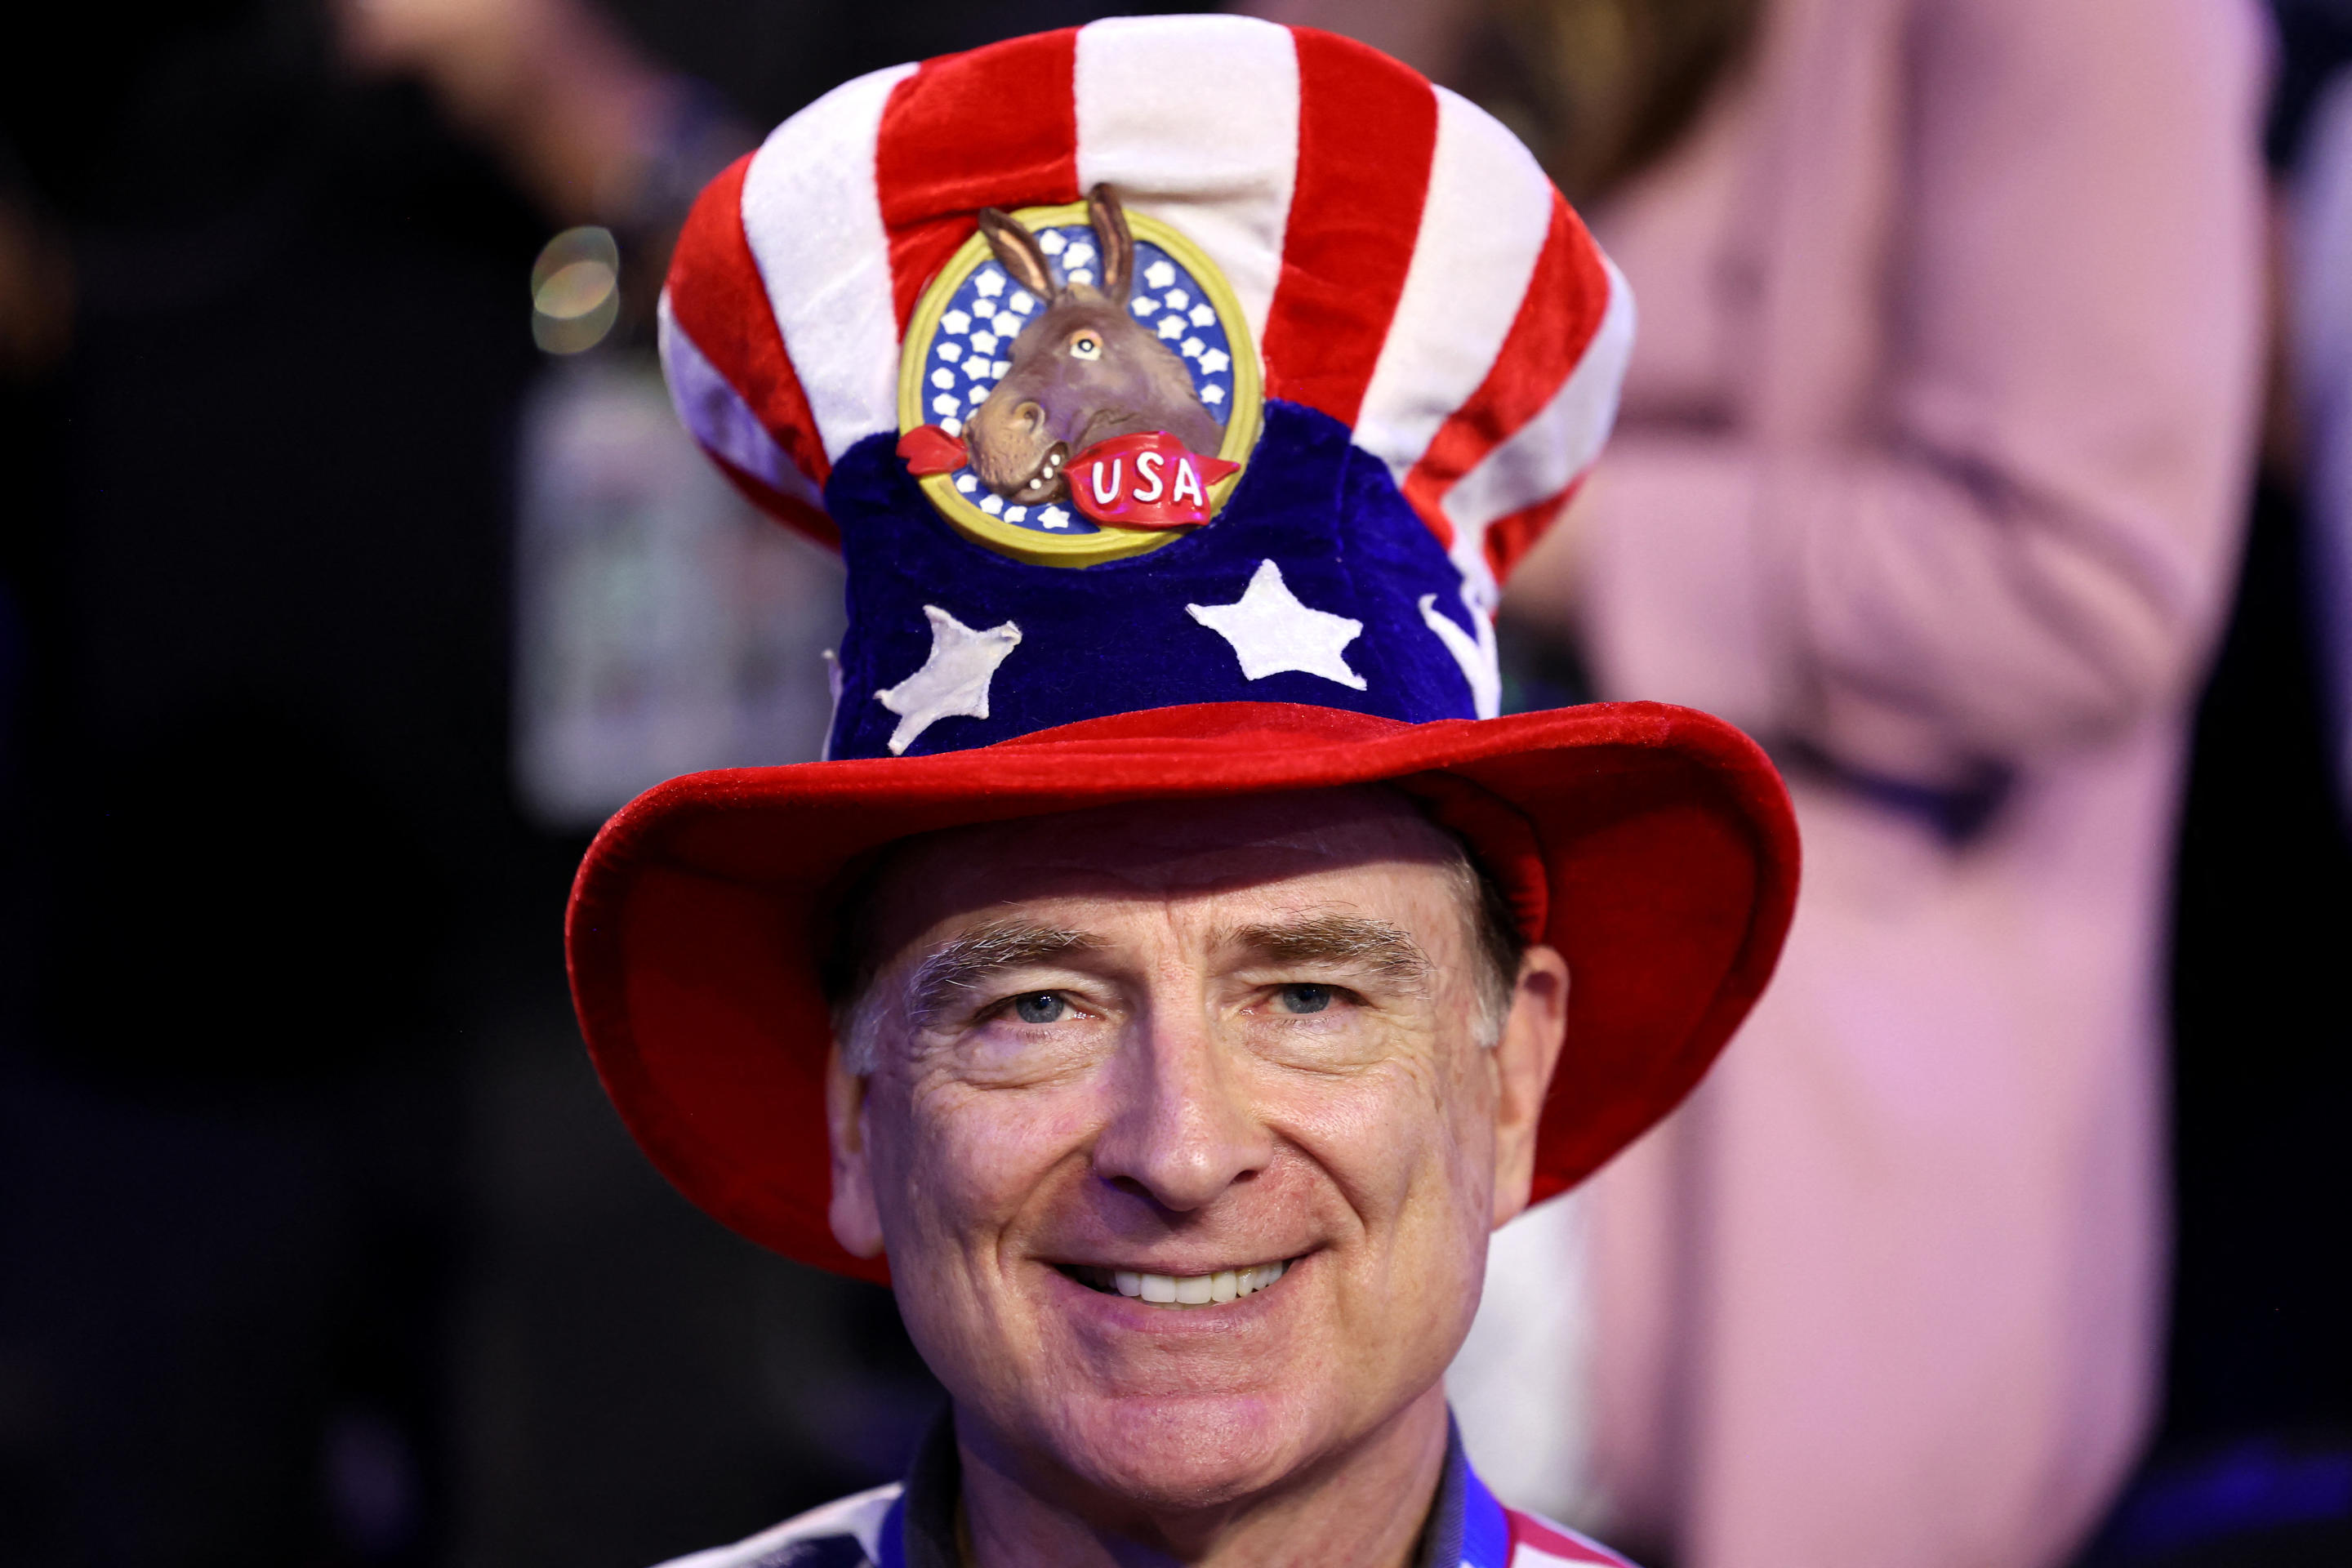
(1404, 264)
(1408, 327)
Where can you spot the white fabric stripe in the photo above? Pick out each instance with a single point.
(1479, 589)
(717, 416)
(1544, 456)
(815, 220)
(1194, 121)
(1531, 1557)
(858, 1516)
(1482, 228)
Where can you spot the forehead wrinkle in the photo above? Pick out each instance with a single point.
(1331, 937)
(964, 961)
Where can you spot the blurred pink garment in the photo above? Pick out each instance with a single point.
(1931, 466)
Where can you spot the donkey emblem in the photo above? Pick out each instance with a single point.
(1083, 372)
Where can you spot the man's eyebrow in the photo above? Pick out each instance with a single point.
(1374, 944)
(939, 981)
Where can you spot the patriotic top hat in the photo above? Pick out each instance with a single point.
(1178, 390)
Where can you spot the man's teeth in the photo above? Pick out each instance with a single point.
(1196, 1290)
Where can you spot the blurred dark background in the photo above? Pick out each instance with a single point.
(319, 1243)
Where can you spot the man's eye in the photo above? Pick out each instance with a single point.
(1040, 1008)
(1303, 998)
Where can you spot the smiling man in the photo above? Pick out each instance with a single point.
(1193, 1124)
(1177, 970)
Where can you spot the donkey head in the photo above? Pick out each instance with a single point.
(1084, 371)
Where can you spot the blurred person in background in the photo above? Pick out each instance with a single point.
(1930, 472)
(2316, 317)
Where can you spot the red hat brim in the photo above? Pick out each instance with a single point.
(1654, 846)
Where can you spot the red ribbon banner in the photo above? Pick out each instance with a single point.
(931, 450)
(1149, 480)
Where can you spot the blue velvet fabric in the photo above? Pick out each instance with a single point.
(1117, 638)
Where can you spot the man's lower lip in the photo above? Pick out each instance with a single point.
(1176, 1292)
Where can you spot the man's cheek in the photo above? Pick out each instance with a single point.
(986, 1150)
(1369, 1131)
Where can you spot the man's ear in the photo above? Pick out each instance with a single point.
(856, 1218)
(1524, 1058)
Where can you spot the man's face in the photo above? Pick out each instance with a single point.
(1186, 1040)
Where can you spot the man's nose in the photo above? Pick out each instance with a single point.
(1185, 1127)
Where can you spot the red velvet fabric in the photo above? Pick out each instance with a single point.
(949, 147)
(1563, 307)
(1367, 130)
(1652, 845)
(715, 289)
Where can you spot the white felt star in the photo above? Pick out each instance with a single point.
(1203, 315)
(1178, 299)
(990, 283)
(984, 342)
(1212, 394)
(1054, 517)
(1080, 275)
(1051, 242)
(1192, 348)
(983, 308)
(1171, 327)
(1078, 254)
(1160, 274)
(953, 681)
(1215, 359)
(943, 403)
(1144, 305)
(1023, 302)
(956, 322)
(943, 379)
(951, 352)
(1271, 631)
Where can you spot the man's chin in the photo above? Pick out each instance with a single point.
(1180, 1454)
